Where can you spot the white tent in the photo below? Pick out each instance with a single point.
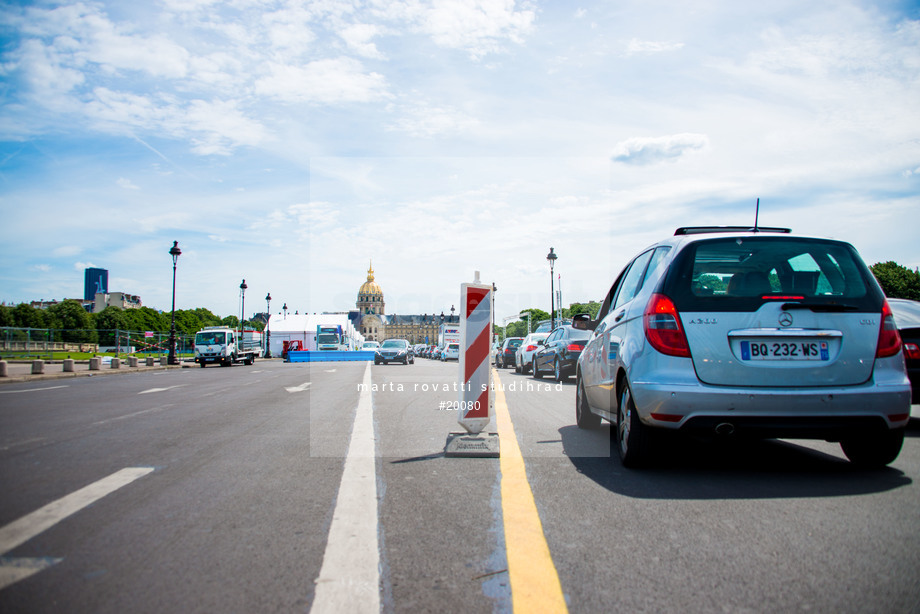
(282, 328)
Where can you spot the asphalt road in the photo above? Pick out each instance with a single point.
(234, 505)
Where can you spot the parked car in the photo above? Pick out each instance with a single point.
(394, 350)
(523, 355)
(505, 354)
(559, 353)
(451, 352)
(435, 353)
(907, 318)
(729, 332)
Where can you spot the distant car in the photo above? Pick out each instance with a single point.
(559, 353)
(504, 357)
(370, 345)
(523, 355)
(394, 350)
(907, 319)
(451, 352)
(435, 353)
(745, 333)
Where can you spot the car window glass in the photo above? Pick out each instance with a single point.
(657, 258)
(632, 280)
(732, 274)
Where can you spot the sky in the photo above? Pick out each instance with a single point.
(291, 144)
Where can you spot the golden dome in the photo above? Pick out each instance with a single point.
(370, 287)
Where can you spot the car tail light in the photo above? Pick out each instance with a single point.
(889, 341)
(530, 348)
(663, 329)
(574, 347)
(912, 350)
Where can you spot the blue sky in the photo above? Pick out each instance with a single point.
(289, 143)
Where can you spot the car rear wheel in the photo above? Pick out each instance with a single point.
(536, 372)
(557, 371)
(874, 450)
(584, 419)
(633, 439)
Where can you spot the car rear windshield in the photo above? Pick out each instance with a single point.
(514, 342)
(740, 274)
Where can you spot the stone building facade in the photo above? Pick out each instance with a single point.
(376, 325)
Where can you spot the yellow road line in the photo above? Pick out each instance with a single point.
(535, 585)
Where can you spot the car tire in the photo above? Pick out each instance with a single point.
(631, 437)
(874, 450)
(202, 365)
(517, 367)
(584, 419)
(557, 371)
(536, 372)
(525, 369)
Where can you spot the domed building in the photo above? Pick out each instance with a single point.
(376, 325)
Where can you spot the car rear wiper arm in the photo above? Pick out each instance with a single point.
(820, 307)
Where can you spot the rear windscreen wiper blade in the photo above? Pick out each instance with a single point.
(820, 307)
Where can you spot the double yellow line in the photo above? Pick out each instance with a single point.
(535, 585)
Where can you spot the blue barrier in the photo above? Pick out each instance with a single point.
(329, 356)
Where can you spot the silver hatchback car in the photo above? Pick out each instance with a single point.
(732, 332)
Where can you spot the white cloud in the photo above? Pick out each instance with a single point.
(126, 184)
(323, 81)
(652, 150)
(640, 47)
(426, 120)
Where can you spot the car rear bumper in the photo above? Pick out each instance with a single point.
(818, 413)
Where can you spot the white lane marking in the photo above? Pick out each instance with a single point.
(13, 570)
(20, 531)
(300, 388)
(131, 415)
(32, 389)
(330, 370)
(349, 580)
(24, 442)
(149, 390)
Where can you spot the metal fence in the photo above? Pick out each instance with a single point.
(46, 342)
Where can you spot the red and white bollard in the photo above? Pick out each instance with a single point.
(475, 402)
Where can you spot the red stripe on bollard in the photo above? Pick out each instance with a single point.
(477, 353)
(474, 296)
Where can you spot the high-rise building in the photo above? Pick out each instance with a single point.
(95, 281)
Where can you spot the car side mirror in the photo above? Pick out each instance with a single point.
(583, 321)
(541, 341)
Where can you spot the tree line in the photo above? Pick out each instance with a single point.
(76, 325)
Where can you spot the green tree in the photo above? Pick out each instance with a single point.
(74, 320)
(108, 321)
(26, 316)
(591, 308)
(6, 316)
(231, 321)
(897, 281)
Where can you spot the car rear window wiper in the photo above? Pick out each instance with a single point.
(821, 307)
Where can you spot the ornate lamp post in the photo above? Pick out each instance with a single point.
(268, 331)
(243, 287)
(551, 256)
(174, 251)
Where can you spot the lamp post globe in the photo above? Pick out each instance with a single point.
(172, 359)
(551, 256)
(268, 332)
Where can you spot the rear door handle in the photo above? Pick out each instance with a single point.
(620, 316)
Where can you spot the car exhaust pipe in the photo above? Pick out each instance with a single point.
(725, 429)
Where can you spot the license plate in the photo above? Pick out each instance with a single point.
(784, 350)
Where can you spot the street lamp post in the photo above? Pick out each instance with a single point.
(268, 331)
(243, 287)
(174, 251)
(284, 309)
(551, 256)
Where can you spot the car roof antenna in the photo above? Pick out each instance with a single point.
(756, 213)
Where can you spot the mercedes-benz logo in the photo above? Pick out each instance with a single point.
(785, 319)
